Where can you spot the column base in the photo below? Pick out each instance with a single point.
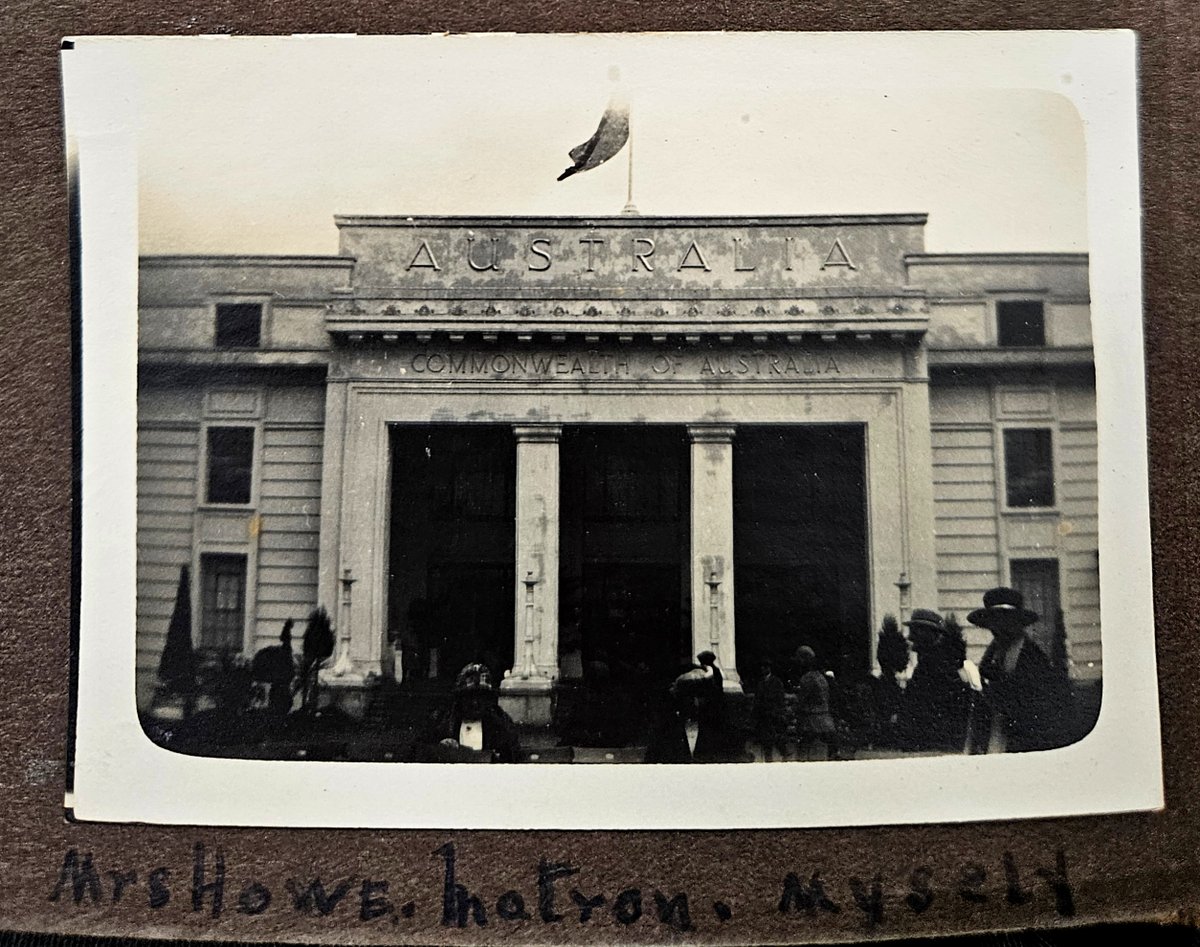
(350, 693)
(529, 701)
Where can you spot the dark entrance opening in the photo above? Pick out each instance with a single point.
(800, 546)
(452, 559)
(623, 553)
(1038, 581)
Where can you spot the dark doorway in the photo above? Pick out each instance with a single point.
(800, 550)
(1038, 581)
(452, 560)
(623, 552)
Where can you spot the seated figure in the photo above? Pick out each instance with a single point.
(475, 729)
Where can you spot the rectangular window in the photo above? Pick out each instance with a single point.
(222, 601)
(1037, 580)
(1029, 467)
(239, 325)
(230, 464)
(1021, 323)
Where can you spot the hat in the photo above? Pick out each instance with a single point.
(926, 618)
(474, 677)
(1004, 608)
(706, 658)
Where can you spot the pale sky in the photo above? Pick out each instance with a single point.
(252, 146)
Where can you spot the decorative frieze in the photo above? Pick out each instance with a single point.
(646, 311)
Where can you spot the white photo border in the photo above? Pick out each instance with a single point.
(121, 776)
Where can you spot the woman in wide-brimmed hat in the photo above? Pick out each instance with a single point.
(474, 729)
(1027, 703)
(934, 707)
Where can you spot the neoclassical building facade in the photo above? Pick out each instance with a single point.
(550, 444)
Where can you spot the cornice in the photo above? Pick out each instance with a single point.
(1011, 259)
(193, 260)
(624, 222)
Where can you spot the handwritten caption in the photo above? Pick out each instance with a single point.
(552, 899)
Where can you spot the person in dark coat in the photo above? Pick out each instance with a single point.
(316, 648)
(935, 704)
(702, 692)
(814, 720)
(668, 712)
(476, 729)
(770, 713)
(1026, 703)
(713, 740)
(275, 666)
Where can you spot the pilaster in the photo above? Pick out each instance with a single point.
(712, 546)
(526, 689)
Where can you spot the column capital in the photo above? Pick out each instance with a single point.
(537, 433)
(711, 433)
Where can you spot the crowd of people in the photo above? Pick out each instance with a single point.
(925, 697)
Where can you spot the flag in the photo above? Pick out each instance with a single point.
(610, 138)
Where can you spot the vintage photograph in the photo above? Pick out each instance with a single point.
(614, 400)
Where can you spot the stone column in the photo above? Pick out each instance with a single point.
(355, 492)
(526, 691)
(712, 546)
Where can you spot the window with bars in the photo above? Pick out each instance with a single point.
(222, 601)
(1029, 467)
(230, 464)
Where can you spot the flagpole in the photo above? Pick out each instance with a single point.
(629, 206)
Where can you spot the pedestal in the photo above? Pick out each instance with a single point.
(530, 703)
(350, 693)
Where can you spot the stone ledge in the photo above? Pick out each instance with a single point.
(1074, 357)
(624, 221)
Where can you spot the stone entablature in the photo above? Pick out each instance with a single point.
(1001, 362)
(794, 365)
(630, 275)
(1059, 276)
(872, 281)
(194, 280)
(396, 253)
(907, 313)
